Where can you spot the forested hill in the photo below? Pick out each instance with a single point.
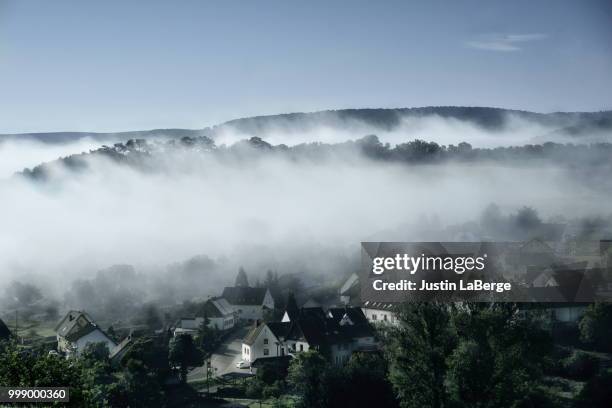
(389, 119)
(567, 123)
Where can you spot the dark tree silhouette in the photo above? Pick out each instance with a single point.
(241, 278)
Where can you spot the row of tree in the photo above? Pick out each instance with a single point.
(139, 152)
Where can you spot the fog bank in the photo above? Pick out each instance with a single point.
(261, 212)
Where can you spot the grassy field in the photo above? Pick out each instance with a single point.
(30, 330)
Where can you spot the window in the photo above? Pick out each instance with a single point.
(385, 318)
(374, 317)
(266, 352)
(265, 341)
(301, 347)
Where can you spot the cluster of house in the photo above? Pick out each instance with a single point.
(338, 332)
(560, 276)
(77, 328)
(235, 304)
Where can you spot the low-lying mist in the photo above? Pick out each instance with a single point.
(515, 131)
(15, 155)
(196, 214)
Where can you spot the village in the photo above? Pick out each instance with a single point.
(223, 346)
(244, 315)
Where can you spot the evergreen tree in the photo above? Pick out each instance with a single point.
(291, 303)
(241, 278)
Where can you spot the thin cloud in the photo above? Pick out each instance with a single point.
(504, 42)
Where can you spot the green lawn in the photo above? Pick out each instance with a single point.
(30, 330)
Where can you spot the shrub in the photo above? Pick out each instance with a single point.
(254, 389)
(580, 365)
(275, 390)
(597, 392)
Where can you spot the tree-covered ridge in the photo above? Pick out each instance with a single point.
(389, 119)
(139, 153)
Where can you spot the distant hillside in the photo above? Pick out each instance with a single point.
(65, 137)
(574, 124)
(568, 123)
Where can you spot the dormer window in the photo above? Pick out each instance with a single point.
(346, 320)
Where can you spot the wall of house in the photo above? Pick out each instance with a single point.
(191, 324)
(295, 346)
(222, 323)
(379, 316)
(95, 336)
(62, 344)
(257, 349)
(249, 312)
(246, 352)
(341, 353)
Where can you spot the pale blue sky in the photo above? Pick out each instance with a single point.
(126, 65)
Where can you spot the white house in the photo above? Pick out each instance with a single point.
(220, 315)
(380, 312)
(265, 340)
(340, 332)
(188, 325)
(76, 330)
(248, 303)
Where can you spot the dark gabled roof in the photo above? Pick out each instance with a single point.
(237, 295)
(75, 325)
(5, 333)
(279, 329)
(74, 321)
(313, 330)
(315, 312)
(316, 328)
(358, 326)
(319, 329)
(353, 313)
(210, 309)
(357, 330)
